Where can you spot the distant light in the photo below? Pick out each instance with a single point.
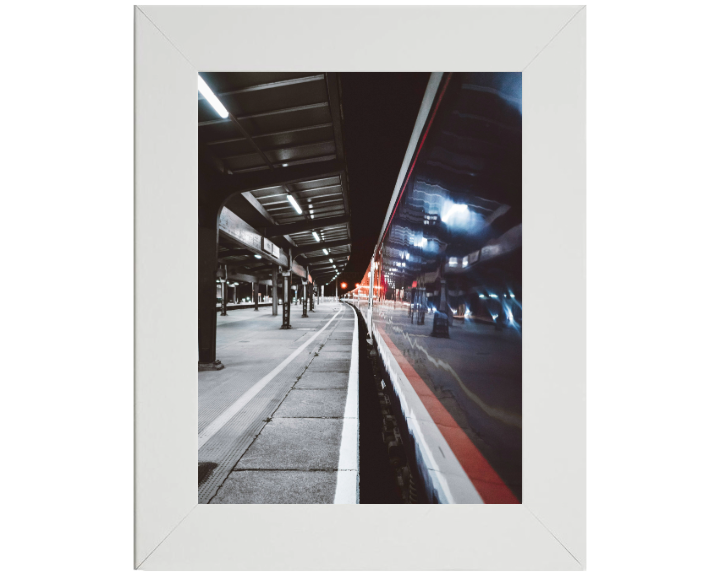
(325, 250)
(204, 89)
(294, 204)
(258, 256)
(331, 259)
(455, 213)
(512, 295)
(309, 205)
(285, 165)
(453, 262)
(312, 211)
(315, 235)
(312, 216)
(493, 295)
(481, 295)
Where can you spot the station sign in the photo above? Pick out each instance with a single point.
(271, 248)
(235, 227)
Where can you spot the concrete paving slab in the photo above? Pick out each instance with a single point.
(336, 354)
(277, 487)
(324, 380)
(337, 347)
(328, 403)
(295, 444)
(320, 364)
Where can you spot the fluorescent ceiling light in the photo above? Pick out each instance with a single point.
(325, 250)
(294, 204)
(204, 89)
(258, 256)
(317, 238)
(331, 259)
(312, 216)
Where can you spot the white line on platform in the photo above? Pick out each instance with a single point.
(211, 429)
(347, 487)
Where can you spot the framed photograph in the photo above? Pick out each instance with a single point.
(459, 353)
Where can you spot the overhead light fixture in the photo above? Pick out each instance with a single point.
(258, 256)
(309, 205)
(315, 235)
(285, 165)
(331, 259)
(294, 203)
(204, 89)
(325, 250)
(312, 216)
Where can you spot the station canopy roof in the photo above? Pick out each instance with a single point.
(283, 137)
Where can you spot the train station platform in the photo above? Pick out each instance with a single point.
(279, 424)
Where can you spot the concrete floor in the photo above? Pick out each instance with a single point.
(283, 444)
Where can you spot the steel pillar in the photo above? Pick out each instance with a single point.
(274, 290)
(224, 297)
(286, 301)
(312, 297)
(207, 289)
(256, 295)
(305, 287)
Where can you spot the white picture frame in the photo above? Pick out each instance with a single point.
(547, 531)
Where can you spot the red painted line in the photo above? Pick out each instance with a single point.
(489, 485)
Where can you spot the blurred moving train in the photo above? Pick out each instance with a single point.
(446, 286)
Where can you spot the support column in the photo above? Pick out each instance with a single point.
(256, 295)
(274, 291)
(286, 301)
(224, 294)
(312, 297)
(207, 288)
(305, 286)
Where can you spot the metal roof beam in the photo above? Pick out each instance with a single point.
(268, 113)
(268, 134)
(325, 258)
(269, 85)
(319, 246)
(305, 226)
(234, 252)
(236, 183)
